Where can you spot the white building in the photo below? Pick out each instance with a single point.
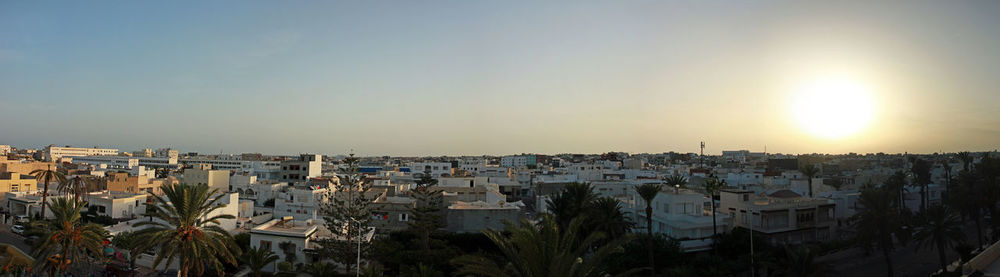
(5, 149)
(681, 214)
(118, 205)
(53, 153)
(436, 169)
(302, 203)
(471, 217)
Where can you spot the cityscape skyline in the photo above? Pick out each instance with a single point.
(444, 78)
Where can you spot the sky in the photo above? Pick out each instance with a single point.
(409, 78)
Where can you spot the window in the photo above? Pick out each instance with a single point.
(265, 244)
(404, 217)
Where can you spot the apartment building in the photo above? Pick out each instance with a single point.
(436, 169)
(204, 174)
(23, 166)
(53, 153)
(782, 216)
(301, 169)
(682, 214)
(17, 182)
(472, 217)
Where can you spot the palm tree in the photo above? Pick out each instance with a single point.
(45, 176)
(921, 170)
(939, 227)
(810, 171)
(571, 202)
(257, 258)
(877, 222)
(712, 187)
(647, 192)
(188, 233)
(676, 180)
(67, 240)
(126, 241)
(319, 269)
(75, 185)
(605, 215)
(541, 250)
(966, 159)
(799, 262)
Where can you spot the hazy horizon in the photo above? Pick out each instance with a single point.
(474, 78)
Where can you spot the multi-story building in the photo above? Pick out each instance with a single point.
(204, 174)
(5, 149)
(124, 182)
(299, 234)
(682, 214)
(17, 182)
(435, 168)
(123, 162)
(23, 166)
(302, 203)
(392, 213)
(472, 217)
(118, 204)
(782, 217)
(518, 161)
(53, 153)
(301, 169)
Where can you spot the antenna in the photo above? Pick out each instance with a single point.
(701, 156)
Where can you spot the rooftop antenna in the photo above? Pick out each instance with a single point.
(701, 156)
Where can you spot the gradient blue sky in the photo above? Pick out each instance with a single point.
(491, 77)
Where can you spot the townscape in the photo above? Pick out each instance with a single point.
(671, 214)
(585, 138)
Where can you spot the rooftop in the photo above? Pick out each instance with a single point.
(286, 227)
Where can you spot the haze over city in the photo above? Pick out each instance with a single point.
(472, 78)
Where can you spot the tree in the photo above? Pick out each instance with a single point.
(75, 185)
(647, 192)
(320, 269)
(799, 262)
(810, 171)
(876, 223)
(126, 241)
(676, 180)
(257, 258)
(606, 215)
(45, 176)
(939, 226)
(66, 240)
(713, 187)
(966, 159)
(427, 216)
(571, 202)
(348, 214)
(188, 233)
(288, 248)
(541, 250)
(921, 170)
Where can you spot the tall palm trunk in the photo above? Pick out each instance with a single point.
(979, 228)
(45, 194)
(888, 261)
(715, 229)
(941, 257)
(649, 234)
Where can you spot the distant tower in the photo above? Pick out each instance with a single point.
(701, 155)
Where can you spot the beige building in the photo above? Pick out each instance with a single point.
(122, 182)
(782, 217)
(17, 182)
(22, 166)
(203, 174)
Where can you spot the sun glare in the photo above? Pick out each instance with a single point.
(833, 108)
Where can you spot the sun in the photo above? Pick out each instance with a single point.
(833, 108)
